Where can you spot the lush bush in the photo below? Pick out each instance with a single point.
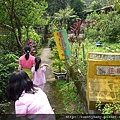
(9, 45)
(55, 54)
(57, 64)
(8, 63)
(34, 36)
(105, 27)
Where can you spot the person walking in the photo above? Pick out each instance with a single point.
(32, 45)
(26, 61)
(29, 99)
(38, 73)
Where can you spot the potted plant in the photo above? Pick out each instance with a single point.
(59, 69)
(58, 66)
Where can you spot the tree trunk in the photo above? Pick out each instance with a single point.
(45, 33)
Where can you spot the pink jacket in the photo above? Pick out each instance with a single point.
(27, 63)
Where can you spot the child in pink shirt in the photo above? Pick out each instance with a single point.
(26, 61)
(38, 73)
(29, 99)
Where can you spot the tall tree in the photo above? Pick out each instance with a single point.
(55, 5)
(16, 14)
(78, 6)
(63, 16)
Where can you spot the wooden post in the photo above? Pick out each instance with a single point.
(83, 51)
(66, 64)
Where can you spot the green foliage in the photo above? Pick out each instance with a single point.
(32, 35)
(8, 44)
(106, 27)
(57, 64)
(92, 33)
(51, 43)
(56, 5)
(117, 5)
(70, 101)
(3, 109)
(18, 14)
(8, 64)
(64, 13)
(62, 17)
(10, 58)
(95, 5)
(78, 6)
(55, 54)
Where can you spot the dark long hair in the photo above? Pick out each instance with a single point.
(37, 63)
(19, 82)
(27, 51)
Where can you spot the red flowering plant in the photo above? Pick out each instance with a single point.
(76, 28)
(75, 38)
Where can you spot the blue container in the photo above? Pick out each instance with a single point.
(99, 43)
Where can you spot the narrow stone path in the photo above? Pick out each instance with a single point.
(50, 88)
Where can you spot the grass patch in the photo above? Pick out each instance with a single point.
(71, 102)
